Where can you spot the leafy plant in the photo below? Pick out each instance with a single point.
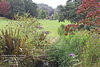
(59, 52)
(43, 14)
(61, 29)
(91, 51)
(67, 12)
(37, 37)
(74, 61)
(83, 44)
(11, 45)
(4, 5)
(12, 42)
(91, 9)
(26, 37)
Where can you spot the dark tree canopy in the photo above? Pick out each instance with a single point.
(16, 6)
(31, 7)
(68, 11)
(22, 6)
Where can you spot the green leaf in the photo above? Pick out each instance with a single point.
(1, 51)
(77, 63)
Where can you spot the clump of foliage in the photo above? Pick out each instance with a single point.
(70, 28)
(15, 7)
(4, 8)
(56, 15)
(43, 14)
(59, 52)
(61, 29)
(91, 8)
(82, 44)
(37, 40)
(67, 12)
(90, 52)
(22, 6)
(29, 31)
(11, 45)
(31, 7)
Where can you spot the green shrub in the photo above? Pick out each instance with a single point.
(27, 30)
(84, 45)
(61, 29)
(59, 52)
(90, 54)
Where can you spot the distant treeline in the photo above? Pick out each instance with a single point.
(41, 11)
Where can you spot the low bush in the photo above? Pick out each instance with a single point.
(26, 32)
(59, 52)
(82, 44)
(61, 29)
(90, 54)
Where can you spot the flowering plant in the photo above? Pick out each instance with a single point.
(73, 60)
(92, 18)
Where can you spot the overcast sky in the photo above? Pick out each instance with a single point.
(52, 3)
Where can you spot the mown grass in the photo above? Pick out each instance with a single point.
(3, 22)
(52, 26)
(48, 25)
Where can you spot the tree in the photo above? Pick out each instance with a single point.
(55, 14)
(4, 8)
(92, 18)
(68, 11)
(92, 10)
(43, 14)
(31, 7)
(17, 6)
(22, 6)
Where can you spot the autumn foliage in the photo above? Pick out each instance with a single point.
(4, 8)
(92, 18)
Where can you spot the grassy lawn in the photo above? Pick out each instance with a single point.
(52, 26)
(48, 25)
(3, 22)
